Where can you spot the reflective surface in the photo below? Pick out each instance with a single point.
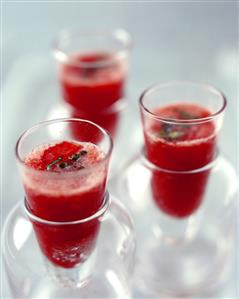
(181, 257)
(110, 275)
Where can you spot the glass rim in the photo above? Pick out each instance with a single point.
(62, 120)
(154, 167)
(204, 86)
(99, 213)
(119, 33)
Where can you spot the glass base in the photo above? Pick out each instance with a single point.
(97, 287)
(182, 270)
(77, 276)
(180, 257)
(105, 274)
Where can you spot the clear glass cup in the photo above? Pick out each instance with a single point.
(65, 196)
(181, 257)
(105, 274)
(186, 188)
(178, 137)
(92, 69)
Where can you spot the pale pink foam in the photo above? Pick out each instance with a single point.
(153, 138)
(69, 182)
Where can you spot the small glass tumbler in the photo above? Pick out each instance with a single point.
(106, 273)
(181, 257)
(92, 69)
(181, 121)
(65, 196)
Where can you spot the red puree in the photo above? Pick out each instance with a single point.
(92, 88)
(63, 189)
(107, 120)
(180, 147)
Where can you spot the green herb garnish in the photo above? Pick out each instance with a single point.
(63, 164)
(75, 157)
(83, 153)
(49, 166)
(175, 134)
(162, 133)
(186, 115)
(170, 132)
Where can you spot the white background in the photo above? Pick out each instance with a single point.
(192, 40)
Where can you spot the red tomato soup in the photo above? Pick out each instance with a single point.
(92, 82)
(106, 120)
(61, 186)
(176, 147)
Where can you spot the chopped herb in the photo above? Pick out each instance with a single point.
(49, 166)
(175, 134)
(170, 132)
(163, 133)
(83, 153)
(63, 164)
(186, 115)
(168, 128)
(75, 157)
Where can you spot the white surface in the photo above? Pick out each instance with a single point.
(195, 40)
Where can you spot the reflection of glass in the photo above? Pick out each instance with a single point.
(181, 256)
(92, 70)
(66, 197)
(180, 121)
(107, 275)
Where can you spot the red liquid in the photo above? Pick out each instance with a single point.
(177, 194)
(181, 147)
(65, 190)
(92, 88)
(106, 120)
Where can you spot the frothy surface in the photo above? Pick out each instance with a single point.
(185, 145)
(181, 133)
(64, 168)
(64, 156)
